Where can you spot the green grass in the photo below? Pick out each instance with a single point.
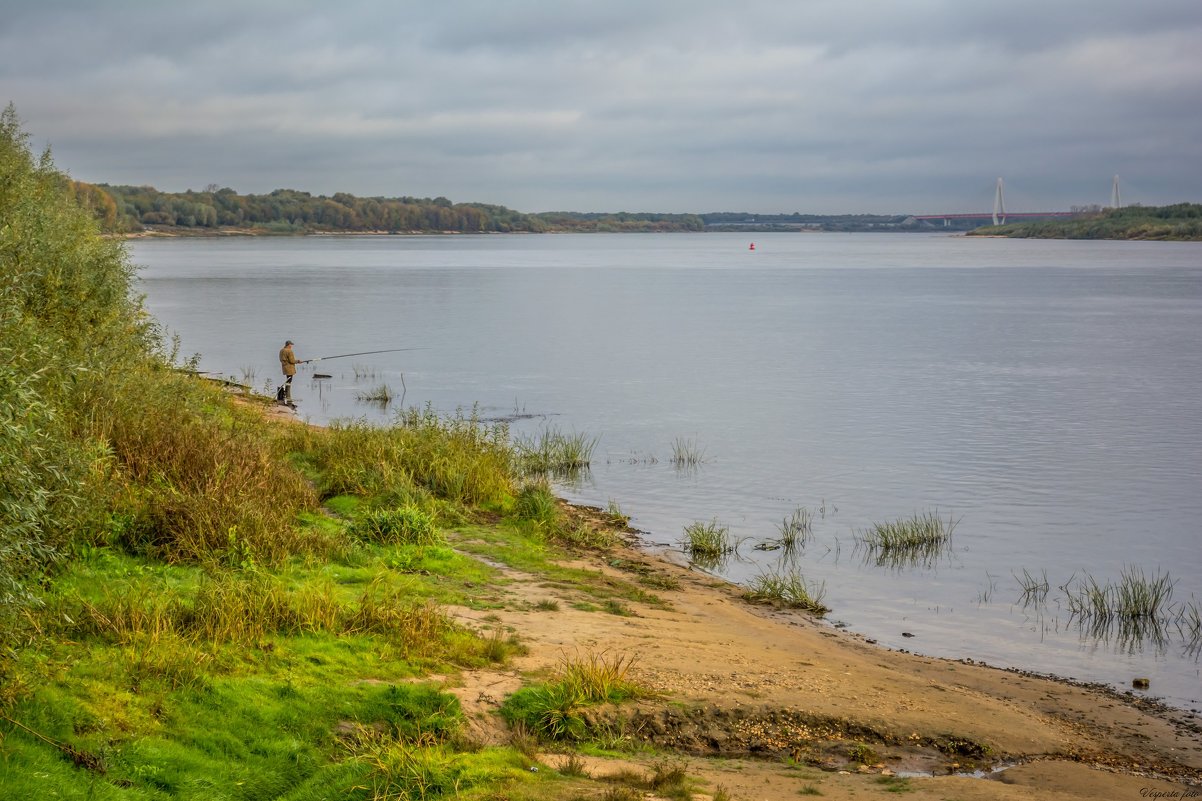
(789, 589)
(196, 603)
(1136, 596)
(919, 540)
(1034, 588)
(554, 452)
(407, 525)
(1191, 621)
(707, 541)
(537, 504)
(555, 709)
(796, 529)
(526, 549)
(381, 394)
(910, 533)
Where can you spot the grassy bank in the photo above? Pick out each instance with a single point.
(198, 603)
(1179, 222)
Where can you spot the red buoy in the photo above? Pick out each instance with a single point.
(752, 246)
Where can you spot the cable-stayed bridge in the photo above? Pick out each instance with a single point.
(999, 215)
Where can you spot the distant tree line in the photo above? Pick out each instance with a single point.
(131, 209)
(126, 209)
(1181, 221)
(620, 222)
(745, 221)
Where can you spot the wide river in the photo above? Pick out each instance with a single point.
(1047, 395)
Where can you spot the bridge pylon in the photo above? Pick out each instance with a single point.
(999, 204)
(1116, 200)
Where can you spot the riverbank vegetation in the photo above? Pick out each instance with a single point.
(1180, 222)
(197, 602)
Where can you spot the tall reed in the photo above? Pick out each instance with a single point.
(1135, 596)
(687, 453)
(1034, 589)
(553, 451)
(916, 532)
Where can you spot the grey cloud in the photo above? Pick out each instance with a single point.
(813, 106)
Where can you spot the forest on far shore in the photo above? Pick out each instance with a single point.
(134, 209)
(1179, 222)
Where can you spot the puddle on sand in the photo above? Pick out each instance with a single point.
(986, 773)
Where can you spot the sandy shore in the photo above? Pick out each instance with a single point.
(769, 703)
(765, 701)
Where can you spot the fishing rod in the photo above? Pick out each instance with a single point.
(360, 353)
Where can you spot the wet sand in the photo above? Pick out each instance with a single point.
(758, 699)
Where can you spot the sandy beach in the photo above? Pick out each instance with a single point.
(757, 699)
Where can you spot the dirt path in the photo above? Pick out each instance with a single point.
(783, 700)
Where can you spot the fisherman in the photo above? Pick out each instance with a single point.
(288, 363)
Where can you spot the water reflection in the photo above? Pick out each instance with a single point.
(925, 555)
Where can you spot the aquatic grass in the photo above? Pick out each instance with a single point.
(686, 453)
(1034, 588)
(1189, 620)
(794, 532)
(1140, 596)
(787, 589)
(918, 532)
(1136, 596)
(555, 452)
(380, 394)
(616, 516)
(707, 540)
(986, 595)
(796, 529)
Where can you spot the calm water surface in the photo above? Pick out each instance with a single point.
(1048, 395)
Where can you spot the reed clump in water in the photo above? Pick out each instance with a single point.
(687, 453)
(707, 541)
(381, 394)
(916, 541)
(917, 532)
(1136, 596)
(795, 531)
(1034, 588)
(555, 452)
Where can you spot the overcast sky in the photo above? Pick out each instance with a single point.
(875, 106)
